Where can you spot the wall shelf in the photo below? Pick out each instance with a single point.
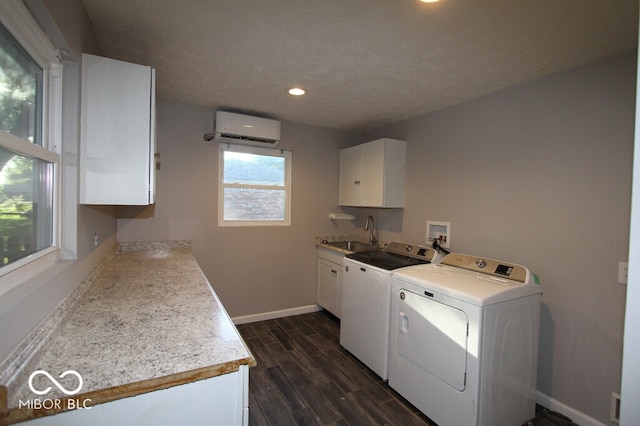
(341, 216)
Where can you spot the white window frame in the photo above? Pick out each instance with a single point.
(18, 21)
(274, 152)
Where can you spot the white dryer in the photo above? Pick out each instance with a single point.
(464, 340)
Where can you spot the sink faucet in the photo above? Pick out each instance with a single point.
(368, 226)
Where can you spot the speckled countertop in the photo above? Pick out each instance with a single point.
(149, 320)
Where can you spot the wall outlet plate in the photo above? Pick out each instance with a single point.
(614, 415)
(623, 269)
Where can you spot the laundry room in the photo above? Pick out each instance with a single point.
(537, 172)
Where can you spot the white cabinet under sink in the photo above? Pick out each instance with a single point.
(372, 174)
(117, 132)
(329, 280)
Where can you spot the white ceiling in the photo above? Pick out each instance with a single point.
(364, 63)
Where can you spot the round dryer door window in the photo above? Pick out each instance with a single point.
(433, 336)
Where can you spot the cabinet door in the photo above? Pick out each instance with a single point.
(226, 395)
(350, 180)
(329, 283)
(117, 132)
(364, 325)
(372, 174)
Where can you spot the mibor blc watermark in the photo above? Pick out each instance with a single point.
(55, 403)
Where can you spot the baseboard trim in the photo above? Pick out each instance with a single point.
(276, 314)
(576, 416)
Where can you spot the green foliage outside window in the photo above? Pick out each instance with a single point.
(22, 186)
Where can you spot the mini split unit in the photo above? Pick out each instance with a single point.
(244, 130)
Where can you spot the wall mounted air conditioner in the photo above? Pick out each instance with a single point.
(245, 130)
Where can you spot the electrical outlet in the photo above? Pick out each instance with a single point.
(623, 269)
(614, 414)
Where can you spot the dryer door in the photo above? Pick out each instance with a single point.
(433, 336)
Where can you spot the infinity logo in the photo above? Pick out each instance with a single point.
(55, 382)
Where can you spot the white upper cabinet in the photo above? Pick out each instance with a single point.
(117, 132)
(372, 174)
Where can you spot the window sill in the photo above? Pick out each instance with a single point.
(20, 271)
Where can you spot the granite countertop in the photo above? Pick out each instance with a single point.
(149, 320)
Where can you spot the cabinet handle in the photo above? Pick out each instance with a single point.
(363, 270)
(333, 271)
(357, 182)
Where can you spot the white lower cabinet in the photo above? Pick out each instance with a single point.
(220, 400)
(329, 280)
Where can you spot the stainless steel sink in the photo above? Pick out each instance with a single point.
(354, 246)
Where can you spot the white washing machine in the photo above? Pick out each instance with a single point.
(366, 300)
(464, 340)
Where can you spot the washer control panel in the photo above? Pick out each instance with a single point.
(414, 251)
(492, 267)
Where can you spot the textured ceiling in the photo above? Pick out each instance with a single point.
(364, 63)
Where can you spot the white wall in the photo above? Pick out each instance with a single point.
(630, 410)
(253, 269)
(540, 175)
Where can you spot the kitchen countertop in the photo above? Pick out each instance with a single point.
(147, 321)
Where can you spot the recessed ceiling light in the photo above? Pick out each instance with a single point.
(429, 1)
(296, 91)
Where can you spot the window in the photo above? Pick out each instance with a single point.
(255, 186)
(20, 91)
(29, 83)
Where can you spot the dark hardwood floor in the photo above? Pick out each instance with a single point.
(305, 377)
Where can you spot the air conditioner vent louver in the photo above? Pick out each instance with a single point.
(246, 138)
(245, 130)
